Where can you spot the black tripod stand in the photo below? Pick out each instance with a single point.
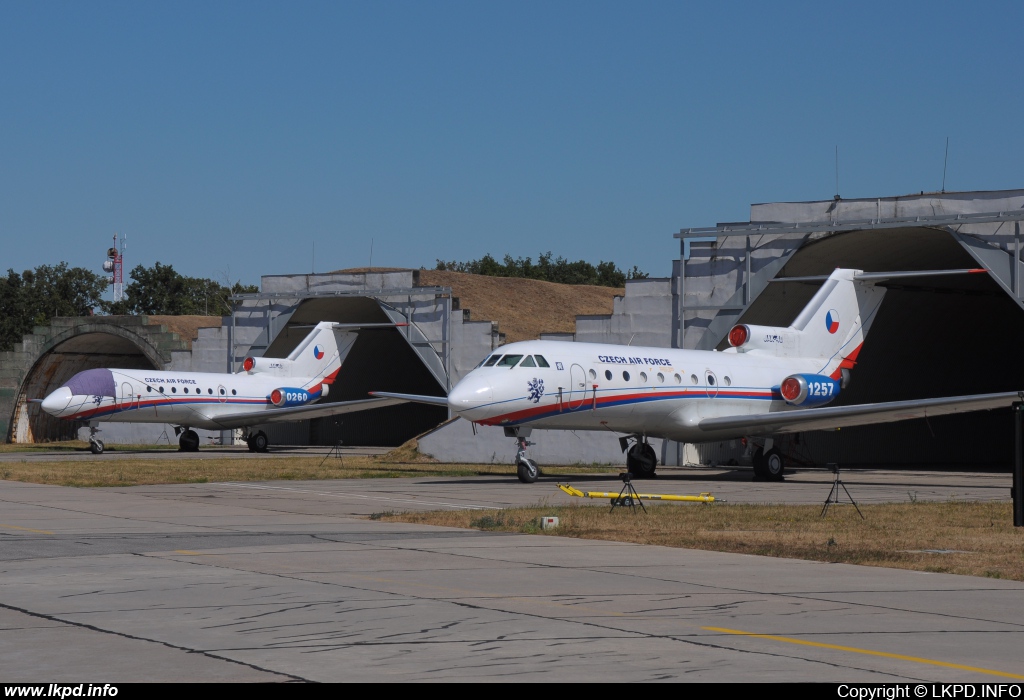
(336, 450)
(833, 495)
(628, 495)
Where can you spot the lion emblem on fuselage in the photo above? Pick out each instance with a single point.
(536, 389)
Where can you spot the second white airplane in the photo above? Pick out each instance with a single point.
(267, 390)
(770, 381)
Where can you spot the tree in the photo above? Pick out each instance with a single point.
(161, 290)
(33, 297)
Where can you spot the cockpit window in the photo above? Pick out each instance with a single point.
(510, 361)
(528, 362)
(541, 362)
(491, 360)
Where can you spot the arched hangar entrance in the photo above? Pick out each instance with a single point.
(393, 353)
(69, 346)
(933, 337)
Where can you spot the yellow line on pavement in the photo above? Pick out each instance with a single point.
(869, 652)
(26, 529)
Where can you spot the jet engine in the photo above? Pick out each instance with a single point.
(809, 389)
(266, 365)
(288, 396)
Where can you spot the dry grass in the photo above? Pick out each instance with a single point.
(540, 307)
(128, 471)
(971, 538)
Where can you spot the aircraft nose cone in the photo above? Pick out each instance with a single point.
(57, 401)
(467, 394)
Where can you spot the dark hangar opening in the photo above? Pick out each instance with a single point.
(55, 368)
(943, 336)
(381, 360)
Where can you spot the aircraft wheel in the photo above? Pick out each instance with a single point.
(759, 467)
(259, 442)
(774, 465)
(641, 460)
(527, 471)
(96, 447)
(189, 441)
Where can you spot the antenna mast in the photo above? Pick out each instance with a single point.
(114, 264)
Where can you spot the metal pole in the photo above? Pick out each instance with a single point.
(1018, 466)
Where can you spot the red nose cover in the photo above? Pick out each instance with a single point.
(275, 397)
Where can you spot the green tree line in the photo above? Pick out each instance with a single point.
(547, 269)
(33, 297)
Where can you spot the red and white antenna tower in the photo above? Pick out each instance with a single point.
(114, 264)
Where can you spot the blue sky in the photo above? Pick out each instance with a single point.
(230, 138)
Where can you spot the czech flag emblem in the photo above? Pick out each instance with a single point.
(832, 321)
(318, 352)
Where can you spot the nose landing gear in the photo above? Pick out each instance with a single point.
(95, 444)
(526, 468)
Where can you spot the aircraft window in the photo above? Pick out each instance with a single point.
(643, 376)
(728, 382)
(221, 392)
(174, 390)
(161, 390)
(625, 375)
(541, 362)
(661, 378)
(608, 374)
(711, 380)
(679, 379)
(209, 391)
(491, 360)
(593, 375)
(528, 362)
(693, 378)
(149, 389)
(233, 392)
(509, 361)
(186, 390)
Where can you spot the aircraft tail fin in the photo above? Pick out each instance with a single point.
(320, 354)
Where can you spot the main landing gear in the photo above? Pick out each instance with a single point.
(188, 440)
(257, 442)
(768, 463)
(641, 460)
(526, 468)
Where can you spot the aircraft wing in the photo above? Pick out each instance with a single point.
(832, 417)
(230, 421)
(414, 398)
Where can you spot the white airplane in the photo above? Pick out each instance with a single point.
(770, 381)
(267, 390)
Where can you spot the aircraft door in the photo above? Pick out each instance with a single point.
(126, 398)
(222, 393)
(711, 384)
(577, 387)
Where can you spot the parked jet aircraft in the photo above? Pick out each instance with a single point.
(267, 390)
(770, 381)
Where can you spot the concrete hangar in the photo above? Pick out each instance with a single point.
(940, 337)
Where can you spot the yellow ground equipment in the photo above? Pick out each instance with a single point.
(702, 498)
